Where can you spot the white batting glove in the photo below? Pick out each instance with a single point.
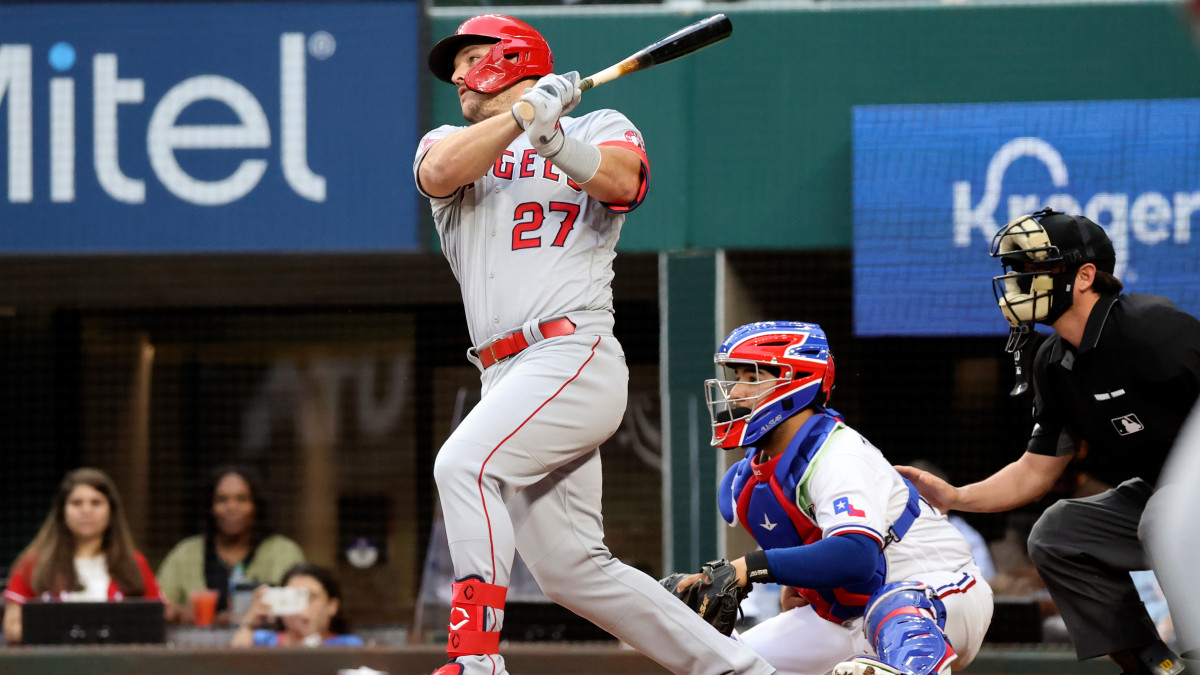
(551, 97)
(566, 86)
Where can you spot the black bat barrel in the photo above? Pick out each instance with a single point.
(686, 40)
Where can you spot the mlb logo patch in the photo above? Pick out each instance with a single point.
(1127, 424)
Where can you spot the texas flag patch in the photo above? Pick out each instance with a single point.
(843, 505)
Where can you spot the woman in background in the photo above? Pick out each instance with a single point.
(236, 542)
(84, 552)
(318, 623)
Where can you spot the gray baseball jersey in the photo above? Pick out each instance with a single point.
(522, 471)
(524, 241)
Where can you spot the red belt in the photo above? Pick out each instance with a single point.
(514, 343)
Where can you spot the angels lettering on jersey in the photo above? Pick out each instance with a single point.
(529, 165)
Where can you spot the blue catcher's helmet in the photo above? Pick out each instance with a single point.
(790, 356)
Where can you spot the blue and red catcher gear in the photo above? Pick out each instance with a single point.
(905, 623)
(791, 356)
(512, 38)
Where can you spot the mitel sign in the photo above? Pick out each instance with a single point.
(933, 183)
(207, 127)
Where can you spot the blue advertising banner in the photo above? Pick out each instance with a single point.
(208, 127)
(933, 183)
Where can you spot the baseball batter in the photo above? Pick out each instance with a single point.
(877, 579)
(529, 213)
(1171, 538)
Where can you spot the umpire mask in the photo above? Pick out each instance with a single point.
(1041, 254)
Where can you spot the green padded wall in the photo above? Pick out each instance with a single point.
(750, 139)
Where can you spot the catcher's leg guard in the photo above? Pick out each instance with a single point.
(904, 623)
(469, 634)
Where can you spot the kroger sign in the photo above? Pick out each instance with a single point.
(933, 183)
(207, 127)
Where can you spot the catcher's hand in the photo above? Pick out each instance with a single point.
(790, 598)
(714, 593)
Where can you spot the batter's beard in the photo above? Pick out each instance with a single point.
(473, 111)
(478, 107)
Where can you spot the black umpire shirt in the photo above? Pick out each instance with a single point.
(1126, 390)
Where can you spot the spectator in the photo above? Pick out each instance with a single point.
(84, 552)
(319, 623)
(236, 542)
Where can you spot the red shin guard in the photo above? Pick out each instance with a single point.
(468, 612)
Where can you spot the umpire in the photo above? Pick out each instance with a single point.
(1120, 373)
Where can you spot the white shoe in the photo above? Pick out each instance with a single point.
(864, 665)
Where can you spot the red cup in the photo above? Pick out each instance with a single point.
(204, 606)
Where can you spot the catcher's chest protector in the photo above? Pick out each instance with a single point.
(766, 498)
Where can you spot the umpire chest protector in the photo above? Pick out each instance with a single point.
(770, 500)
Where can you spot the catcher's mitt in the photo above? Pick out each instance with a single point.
(717, 600)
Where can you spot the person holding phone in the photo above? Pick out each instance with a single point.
(237, 546)
(305, 610)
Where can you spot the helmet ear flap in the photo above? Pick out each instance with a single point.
(827, 381)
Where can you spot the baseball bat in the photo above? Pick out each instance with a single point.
(682, 42)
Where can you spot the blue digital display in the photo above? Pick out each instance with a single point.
(208, 127)
(933, 183)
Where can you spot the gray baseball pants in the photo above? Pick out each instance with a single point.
(1084, 550)
(537, 429)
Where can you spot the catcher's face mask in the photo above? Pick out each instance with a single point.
(732, 400)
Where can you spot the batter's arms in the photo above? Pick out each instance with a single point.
(619, 178)
(1025, 480)
(465, 156)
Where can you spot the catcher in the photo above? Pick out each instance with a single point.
(876, 580)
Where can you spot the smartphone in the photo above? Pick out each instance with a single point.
(286, 600)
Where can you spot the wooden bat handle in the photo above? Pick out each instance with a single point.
(526, 111)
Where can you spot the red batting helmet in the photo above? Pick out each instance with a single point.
(494, 72)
